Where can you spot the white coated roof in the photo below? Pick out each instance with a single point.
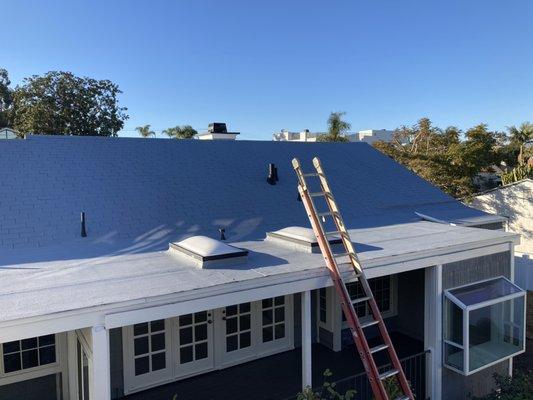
(54, 280)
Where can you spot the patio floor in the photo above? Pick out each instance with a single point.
(270, 378)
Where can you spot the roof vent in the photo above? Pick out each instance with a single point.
(208, 252)
(300, 238)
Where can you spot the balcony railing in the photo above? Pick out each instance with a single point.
(415, 370)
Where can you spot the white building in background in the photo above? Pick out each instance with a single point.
(369, 136)
(303, 136)
(8, 133)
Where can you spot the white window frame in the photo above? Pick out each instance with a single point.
(465, 332)
(393, 309)
(58, 367)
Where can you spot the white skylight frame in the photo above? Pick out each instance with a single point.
(466, 309)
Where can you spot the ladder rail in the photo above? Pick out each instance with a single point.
(339, 223)
(357, 330)
(353, 322)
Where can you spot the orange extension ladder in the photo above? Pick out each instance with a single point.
(357, 329)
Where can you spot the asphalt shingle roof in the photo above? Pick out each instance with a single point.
(138, 189)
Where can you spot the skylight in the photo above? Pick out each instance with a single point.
(299, 237)
(207, 251)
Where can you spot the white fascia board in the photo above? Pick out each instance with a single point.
(266, 286)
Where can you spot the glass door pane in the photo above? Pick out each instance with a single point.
(194, 343)
(237, 328)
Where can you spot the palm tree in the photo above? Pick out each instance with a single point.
(145, 131)
(180, 132)
(337, 129)
(521, 136)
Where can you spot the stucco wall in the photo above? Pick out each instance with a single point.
(516, 203)
(454, 385)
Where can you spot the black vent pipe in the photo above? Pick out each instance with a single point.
(272, 174)
(83, 230)
(222, 233)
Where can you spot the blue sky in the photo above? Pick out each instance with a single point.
(265, 65)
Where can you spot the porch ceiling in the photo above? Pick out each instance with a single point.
(88, 275)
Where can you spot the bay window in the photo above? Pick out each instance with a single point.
(484, 323)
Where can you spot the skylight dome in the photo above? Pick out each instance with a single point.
(208, 251)
(299, 237)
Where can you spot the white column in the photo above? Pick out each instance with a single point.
(72, 344)
(307, 365)
(512, 278)
(433, 331)
(101, 376)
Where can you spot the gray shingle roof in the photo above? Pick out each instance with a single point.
(134, 189)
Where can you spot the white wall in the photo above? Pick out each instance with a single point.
(516, 203)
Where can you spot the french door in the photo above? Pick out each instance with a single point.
(194, 343)
(236, 338)
(147, 355)
(161, 351)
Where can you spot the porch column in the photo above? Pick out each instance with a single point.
(433, 331)
(101, 376)
(307, 366)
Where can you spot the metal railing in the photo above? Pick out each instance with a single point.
(415, 370)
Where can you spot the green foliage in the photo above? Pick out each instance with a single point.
(517, 387)
(180, 132)
(145, 131)
(6, 98)
(326, 392)
(441, 157)
(517, 174)
(337, 129)
(60, 103)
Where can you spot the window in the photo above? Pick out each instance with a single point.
(238, 326)
(484, 323)
(149, 347)
(193, 336)
(29, 353)
(384, 290)
(273, 319)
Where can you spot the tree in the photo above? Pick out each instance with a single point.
(520, 137)
(337, 129)
(6, 98)
(440, 157)
(145, 131)
(60, 103)
(180, 132)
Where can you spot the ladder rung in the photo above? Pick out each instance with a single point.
(340, 255)
(317, 194)
(369, 323)
(388, 374)
(378, 348)
(327, 213)
(360, 299)
(333, 233)
(403, 397)
(310, 174)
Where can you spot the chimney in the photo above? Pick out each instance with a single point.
(217, 131)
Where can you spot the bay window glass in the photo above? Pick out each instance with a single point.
(484, 323)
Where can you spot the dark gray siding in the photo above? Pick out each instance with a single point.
(43, 388)
(454, 385)
(476, 269)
